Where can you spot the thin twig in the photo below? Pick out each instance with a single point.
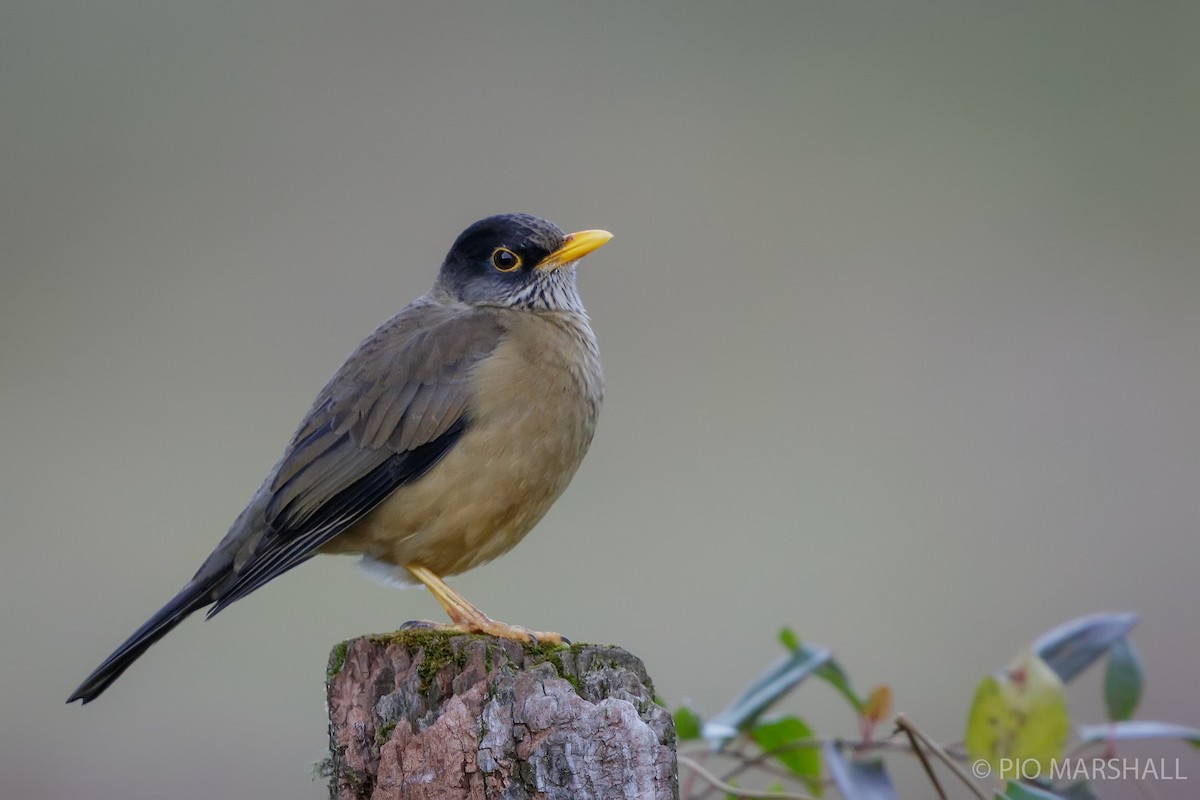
(744, 763)
(717, 783)
(903, 723)
(916, 747)
(701, 751)
(811, 742)
(956, 750)
(691, 779)
(732, 751)
(759, 760)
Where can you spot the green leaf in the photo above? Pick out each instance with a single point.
(1018, 714)
(777, 681)
(1023, 791)
(1071, 648)
(687, 724)
(1122, 681)
(1140, 729)
(803, 762)
(832, 673)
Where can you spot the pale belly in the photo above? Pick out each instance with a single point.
(531, 424)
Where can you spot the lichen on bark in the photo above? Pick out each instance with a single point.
(423, 714)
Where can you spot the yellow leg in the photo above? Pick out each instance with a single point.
(470, 619)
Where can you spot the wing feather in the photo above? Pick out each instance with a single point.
(396, 406)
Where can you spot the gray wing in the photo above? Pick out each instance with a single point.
(391, 412)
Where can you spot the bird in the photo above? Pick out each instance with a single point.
(441, 441)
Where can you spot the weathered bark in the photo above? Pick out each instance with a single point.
(425, 714)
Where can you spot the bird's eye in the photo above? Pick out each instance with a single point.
(505, 260)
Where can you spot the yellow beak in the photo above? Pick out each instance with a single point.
(574, 247)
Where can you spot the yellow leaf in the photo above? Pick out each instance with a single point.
(1020, 713)
(879, 705)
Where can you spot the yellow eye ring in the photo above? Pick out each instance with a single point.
(505, 260)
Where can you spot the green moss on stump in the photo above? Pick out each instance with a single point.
(438, 651)
(337, 659)
(553, 654)
(440, 648)
(383, 732)
(435, 646)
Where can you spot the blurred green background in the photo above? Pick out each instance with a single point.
(901, 328)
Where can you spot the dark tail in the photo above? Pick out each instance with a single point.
(191, 598)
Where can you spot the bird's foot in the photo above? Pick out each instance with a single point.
(469, 619)
(489, 627)
(502, 630)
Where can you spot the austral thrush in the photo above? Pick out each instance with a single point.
(440, 442)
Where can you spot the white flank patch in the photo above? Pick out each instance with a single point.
(387, 574)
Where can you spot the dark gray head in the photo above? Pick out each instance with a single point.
(517, 261)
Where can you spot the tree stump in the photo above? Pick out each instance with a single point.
(430, 714)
